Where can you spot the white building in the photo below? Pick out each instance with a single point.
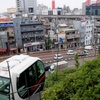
(86, 29)
(26, 6)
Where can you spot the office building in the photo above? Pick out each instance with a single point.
(86, 29)
(26, 6)
(29, 34)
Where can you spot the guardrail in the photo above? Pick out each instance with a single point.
(70, 58)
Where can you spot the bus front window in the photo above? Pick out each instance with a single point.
(4, 88)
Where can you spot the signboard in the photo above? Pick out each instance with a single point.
(83, 19)
(5, 19)
(61, 32)
(6, 24)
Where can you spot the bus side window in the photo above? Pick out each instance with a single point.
(40, 68)
(21, 85)
(32, 77)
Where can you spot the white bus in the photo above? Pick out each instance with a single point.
(21, 78)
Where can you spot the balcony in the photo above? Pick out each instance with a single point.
(11, 35)
(32, 29)
(72, 36)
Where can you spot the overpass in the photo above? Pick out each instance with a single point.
(67, 16)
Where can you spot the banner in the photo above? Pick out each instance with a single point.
(5, 19)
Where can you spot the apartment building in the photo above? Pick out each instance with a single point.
(26, 6)
(29, 34)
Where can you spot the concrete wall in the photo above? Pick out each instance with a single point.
(17, 32)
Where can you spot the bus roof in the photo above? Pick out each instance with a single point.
(17, 64)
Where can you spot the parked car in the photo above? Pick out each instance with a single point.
(96, 47)
(88, 47)
(47, 67)
(83, 53)
(58, 56)
(70, 52)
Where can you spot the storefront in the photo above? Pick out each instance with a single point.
(37, 46)
(13, 50)
(3, 51)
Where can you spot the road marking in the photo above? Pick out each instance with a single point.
(46, 62)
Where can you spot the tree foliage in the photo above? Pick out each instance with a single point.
(48, 42)
(99, 50)
(72, 84)
(76, 58)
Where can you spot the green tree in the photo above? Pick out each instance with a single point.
(75, 84)
(48, 42)
(99, 50)
(76, 58)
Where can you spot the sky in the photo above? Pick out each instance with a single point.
(4, 4)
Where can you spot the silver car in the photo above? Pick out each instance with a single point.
(59, 56)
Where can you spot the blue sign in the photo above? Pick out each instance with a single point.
(6, 24)
(61, 40)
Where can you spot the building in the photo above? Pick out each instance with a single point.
(11, 10)
(86, 29)
(29, 34)
(53, 4)
(40, 8)
(26, 6)
(84, 8)
(97, 32)
(91, 7)
(7, 36)
(72, 38)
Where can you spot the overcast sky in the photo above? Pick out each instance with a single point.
(4, 4)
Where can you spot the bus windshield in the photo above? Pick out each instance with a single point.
(4, 88)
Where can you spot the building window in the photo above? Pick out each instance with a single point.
(87, 22)
(17, 24)
(17, 31)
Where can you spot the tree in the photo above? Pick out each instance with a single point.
(76, 57)
(99, 50)
(75, 84)
(48, 43)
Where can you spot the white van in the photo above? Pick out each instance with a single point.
(61, 66)
(88, 47)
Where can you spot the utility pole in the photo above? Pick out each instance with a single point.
(58, 45)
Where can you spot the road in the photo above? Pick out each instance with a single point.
(48, 57)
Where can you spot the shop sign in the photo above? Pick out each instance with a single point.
(28, 44)
(6, 24)
(61, 32)
(5, 19)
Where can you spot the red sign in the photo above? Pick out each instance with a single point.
(5, 19)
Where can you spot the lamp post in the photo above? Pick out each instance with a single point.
(58, 46)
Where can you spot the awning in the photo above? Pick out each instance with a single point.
(12, 49)
(2, 50)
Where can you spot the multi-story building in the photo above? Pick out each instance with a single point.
(27, 6)
(93, 9)
(29, 34)
(7, 40)
(97, 33)
(72, 38)
(86, 29)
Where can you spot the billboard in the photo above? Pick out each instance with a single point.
(5, 19)
(6, 24)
